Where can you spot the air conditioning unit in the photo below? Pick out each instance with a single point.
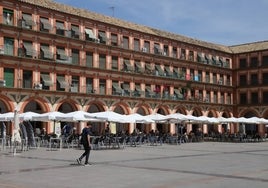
(38, 86)
(144, 49)
(2, 83)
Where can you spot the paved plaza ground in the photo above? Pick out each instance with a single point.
(202, 165)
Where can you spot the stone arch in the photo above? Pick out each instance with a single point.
(67, 105)
(162, 127)
(142, 108)
(182, 110)
(250, 129)
(121, 108)
(4, 105)
(96, 106)
(196, 128)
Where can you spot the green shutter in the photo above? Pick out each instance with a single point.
(9, 77)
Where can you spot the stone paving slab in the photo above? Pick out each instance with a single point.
(205, 164)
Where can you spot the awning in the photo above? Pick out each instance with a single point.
(29, 48)
(209, 61)
(47, 53)
(168, 71)
(102, 37)
(126, 86)
(160, 70)
(201, 58)
(177, 91)
(90, 34)
(75, 29)
(148, 67)
(139, 68)
(62, 82)
(117, 89)
(46, 80)
(138, 88)
(60, 25)
(28, 19)
(128, 66)
(45, 23)
(61, 54)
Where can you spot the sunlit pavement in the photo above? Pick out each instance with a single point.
(202, 165)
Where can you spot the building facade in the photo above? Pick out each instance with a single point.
(54, 57)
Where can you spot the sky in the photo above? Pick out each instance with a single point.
(226, 22)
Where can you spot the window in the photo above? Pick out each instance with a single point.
(207, 77)
(192, 74)
(74, 84)
(174, 52)
(9, 77)
(254, 98)
(114, 40)
(208, 59)
(254, 62)
(265, 78)
(200, 58)
(8, 17)
(26, 21)
(222, 99)
(157, 48)
(265, 97)
(221, 80)
(146, 47)
(45, 26)
(45, 52)
(198, 77)
(60, 28)
(127, 65)
(114, 62)
(215, 97)
(254, 79)
(138, 67)
(214, 78)
(89, 85)
(136, 44)
(61, 56)
(27, 79)
(61, 83)
(45, 80)
(183, 54)
(102, 61)
(89, 59)
(228, 98)
(191, 56)
(243, 98)
(102, 37)
(8, 46)
(265, 61)
(126, 89)
(243, 63)
(27, 49)
(75, 33)
(75, 57)
(243, 80)
(102, 86)
(125, 42)
(159, 71)
(166, 51)
(91, 36)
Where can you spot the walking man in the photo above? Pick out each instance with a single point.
(86, 132)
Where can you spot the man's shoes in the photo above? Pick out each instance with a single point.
(78, 161)
(87, 164)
